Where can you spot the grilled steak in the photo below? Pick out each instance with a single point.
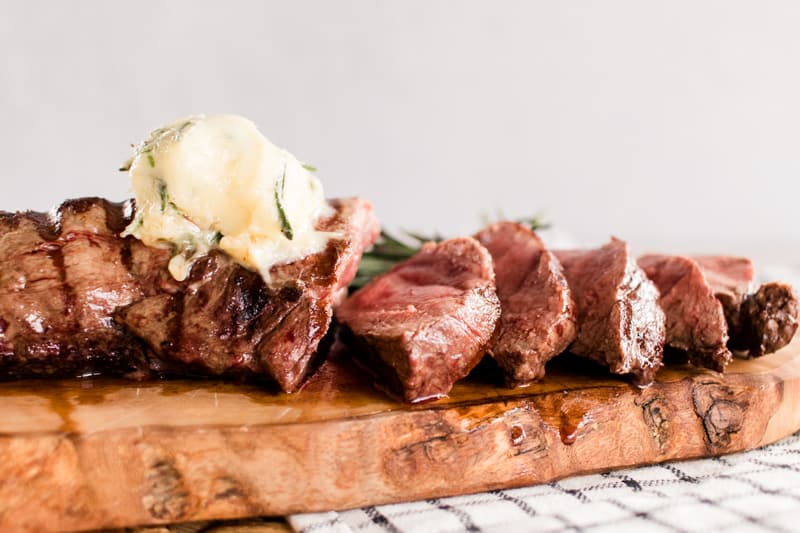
(620, 324)
(75, 298)
(758, 323)
(61, 279)
(427, 322)
(538, 320)
(695, 319)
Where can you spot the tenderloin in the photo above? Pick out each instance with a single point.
(78, 299)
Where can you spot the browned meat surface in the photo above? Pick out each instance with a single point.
(620, 324)
(538, 320)
(76, 299)
(695, 320)
(225, 320)
(768, 320)
(61, 280)
(758, 323)
(427, 322)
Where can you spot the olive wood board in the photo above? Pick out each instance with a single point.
(101, 453)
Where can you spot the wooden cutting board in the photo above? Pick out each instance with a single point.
(98, 453)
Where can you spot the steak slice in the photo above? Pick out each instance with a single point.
(758, 323)
(695, 319)
(225, 321)
(61, 278)
(731, 279)
(77, 299)
(427, 322)
(537, 320)
(620, 324)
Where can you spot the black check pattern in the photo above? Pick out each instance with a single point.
(757, 490)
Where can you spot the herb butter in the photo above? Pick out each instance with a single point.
(215, 182)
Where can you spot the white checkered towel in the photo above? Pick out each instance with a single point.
(756, 490)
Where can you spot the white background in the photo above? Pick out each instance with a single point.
(675, 125)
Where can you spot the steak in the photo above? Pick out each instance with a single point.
(731, 279)
(768, 320)
(759, 322)
(76, 299)
(537, 320)
(427, 322)
(61, 279)
(620, 324)
(695, 319)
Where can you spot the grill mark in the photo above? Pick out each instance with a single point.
(56, 255)
(176, 326)
(125, 255)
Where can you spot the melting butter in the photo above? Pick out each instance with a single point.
(215, 182)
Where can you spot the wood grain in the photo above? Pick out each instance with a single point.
(106, 453)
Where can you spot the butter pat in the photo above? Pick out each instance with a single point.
(215, 182)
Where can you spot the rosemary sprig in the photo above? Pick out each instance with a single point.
(390, 250)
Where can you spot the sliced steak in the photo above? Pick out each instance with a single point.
(225, 321)
(77, 299)
(731, 279)
(620, 324)
(759, 322)
(427, 322)
(695, 319)
(538, 319)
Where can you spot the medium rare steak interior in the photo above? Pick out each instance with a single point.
(620, 324)
(538, 319)
(76, 299)
(759, 322)
(695, 319)
(427, 322)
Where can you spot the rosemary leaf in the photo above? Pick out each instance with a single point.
(151, 160)
(162, 192)
(286, 227)
(310, 168)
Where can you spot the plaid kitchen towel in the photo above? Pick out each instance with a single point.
(757, 490)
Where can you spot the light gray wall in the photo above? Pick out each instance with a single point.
(675, 125)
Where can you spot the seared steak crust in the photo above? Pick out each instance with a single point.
(76, 299)
(695, 319)
(620, 324)
(768, 320)
(61, 279)
(427, 322)
(538, 319)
